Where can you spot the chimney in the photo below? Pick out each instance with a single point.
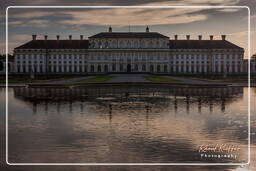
(211, 37)
(81, 37)
(176, 37)
(58, 37)
(187, 37)
(70, 37)
(147, 29)
(223, 37)
(34, 37)
(110, 29)
(199, 37)
(45, 37)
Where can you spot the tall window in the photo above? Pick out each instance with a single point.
(106, 44)
(106, 68)
(151, 68)
(121, 44)
(128, 44)
(113, 67)
(158, 68)
(136, 44)
(165, 68)
(136, 67)
(121, 67)
(143, 67)
(92, 68)
(99, 68)
(150, 44)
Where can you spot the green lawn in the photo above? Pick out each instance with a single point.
(97, 79)
(27, 79)
(160, 79)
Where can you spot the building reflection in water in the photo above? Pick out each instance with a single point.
(147, 98)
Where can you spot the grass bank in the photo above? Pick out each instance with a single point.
(97, 79)
(159, 79)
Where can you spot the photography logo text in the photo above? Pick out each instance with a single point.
(218, 151)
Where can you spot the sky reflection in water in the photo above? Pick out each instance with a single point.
(125, 124)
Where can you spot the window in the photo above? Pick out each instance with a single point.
(128, 44)
(143, 67)
(99, 68)
(151, 68)
(92, 68)
(158, 68)
(121, 43)
(142, 44)
(121, 67)
(113, 67)
(150, 44)
(106, 68)
(136, 44)
(157, 43)
(165, 68)
(136, 67)
(106, 44)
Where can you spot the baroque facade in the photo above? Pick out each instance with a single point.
(129, 52)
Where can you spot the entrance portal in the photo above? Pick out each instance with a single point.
(129, 68)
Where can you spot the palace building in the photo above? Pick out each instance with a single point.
(129, 52)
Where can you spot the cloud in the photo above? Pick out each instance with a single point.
(137, 17)
(30, 23)
(229, 9)
(123, 16)
(21, 37)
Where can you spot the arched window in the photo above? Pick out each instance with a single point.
(143, 67)
(164, 44)
(121, 44)
(113, 67)
(165, 68)
(158, 68)
(121, 67)
(92, 44)
(150, 44)
(136, 67)
(157, 43)
(92, 68)
(142, 44)
(151, 68)
(106, 68)
(99, 68)
(100, 44)
(106, 44)
(136, 44)
(128, 44)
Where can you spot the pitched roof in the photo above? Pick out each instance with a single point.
(55, 44)
(83, 44)
(202, 44)
(128, 35)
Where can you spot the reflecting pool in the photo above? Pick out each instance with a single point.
(127, 124)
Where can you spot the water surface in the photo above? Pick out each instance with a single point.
(127, 124)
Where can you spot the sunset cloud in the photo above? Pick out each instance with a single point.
(136, 17)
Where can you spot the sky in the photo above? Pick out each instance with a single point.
(23, 22)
